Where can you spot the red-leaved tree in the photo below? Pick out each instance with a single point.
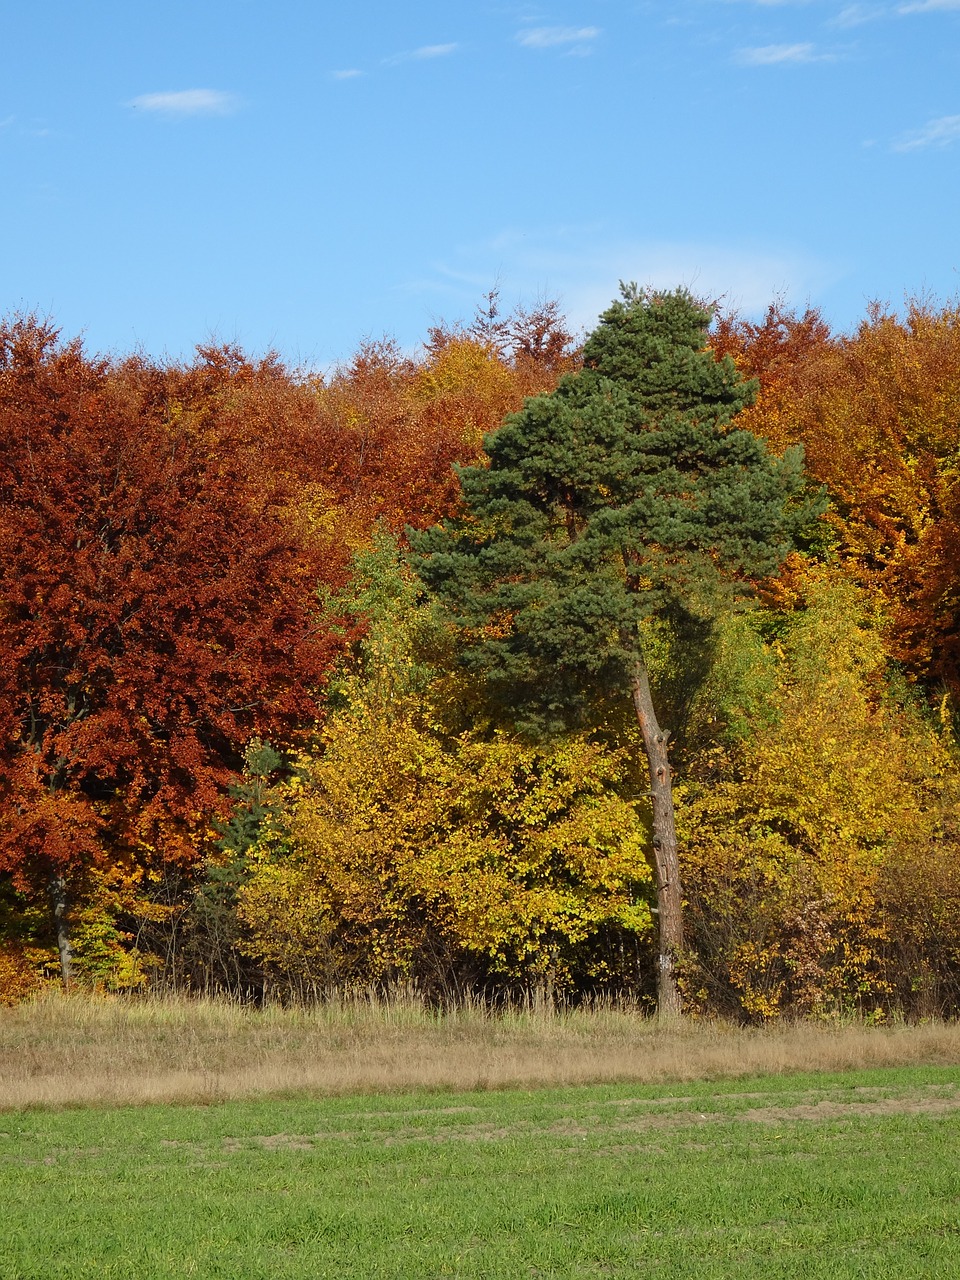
(157, 603)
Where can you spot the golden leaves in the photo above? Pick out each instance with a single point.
(789, 851)
(400, 853)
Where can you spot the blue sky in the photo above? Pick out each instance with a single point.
(304, 175)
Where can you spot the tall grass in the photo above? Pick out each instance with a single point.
(61, 1050)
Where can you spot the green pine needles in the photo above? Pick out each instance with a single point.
(624, 495)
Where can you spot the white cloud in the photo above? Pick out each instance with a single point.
(770, 55)
(935, 133)
(552, 37)
(187, 102)
(855, 15)
(434, 51)
(350, 73)
(425, 51)
(929, 6)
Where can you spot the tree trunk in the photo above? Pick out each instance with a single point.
(669, 911)
(57, 889)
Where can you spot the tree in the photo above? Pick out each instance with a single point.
(391, 426)
(820, 869)
(623, 497)
(157, 610)
(877, 414)
(404, 851)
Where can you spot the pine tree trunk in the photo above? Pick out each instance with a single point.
(669, 911)
(57, 889)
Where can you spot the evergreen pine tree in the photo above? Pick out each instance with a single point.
(624, 495)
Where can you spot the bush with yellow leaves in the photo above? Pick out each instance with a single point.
(401, 857)
(810, 841)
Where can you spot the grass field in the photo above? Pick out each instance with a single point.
(148, 1139)
(846, 1175)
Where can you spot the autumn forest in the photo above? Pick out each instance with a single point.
(626, 667)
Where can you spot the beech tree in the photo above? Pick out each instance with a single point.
(877, 414)
(624, 496)
(821, 839)
(157, 611)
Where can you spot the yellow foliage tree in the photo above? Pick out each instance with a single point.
(401, 858)
(405, 850)
(799, 834)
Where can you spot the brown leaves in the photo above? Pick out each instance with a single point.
(157, 608)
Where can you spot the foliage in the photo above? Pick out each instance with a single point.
(21, 972)
(877, 413)
(796, 834)
(400, 860)
(392, 425)
(623, 495)
(402, 851)
(107, 955)
(198, 560)
(158, 610)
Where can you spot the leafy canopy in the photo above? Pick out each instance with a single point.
(157, 604)
(624, 494)
(401, 849)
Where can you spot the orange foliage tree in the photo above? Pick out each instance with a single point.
(157, 603)
(392, 426)
(878, 414)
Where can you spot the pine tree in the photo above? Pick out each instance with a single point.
(625, 495)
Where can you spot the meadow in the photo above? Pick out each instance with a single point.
(75, 1050)
(838, 1175)
(163, 1138)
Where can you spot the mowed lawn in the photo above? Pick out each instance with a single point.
(853, 1174)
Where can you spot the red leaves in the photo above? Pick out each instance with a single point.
(164, 532)
(158, 608)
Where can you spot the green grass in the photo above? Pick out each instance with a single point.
(847, 1175)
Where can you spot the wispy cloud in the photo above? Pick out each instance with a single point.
(929, 6)
(581, 265)
(434, 51)
(856, 15)
(771, 55)
(935, 133)
(425, 51)
(350, 73)
(187, 102)
(554, 37)
(28, 129)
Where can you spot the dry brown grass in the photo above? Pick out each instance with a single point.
(59, 1051)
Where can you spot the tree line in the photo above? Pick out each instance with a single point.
(627, 666)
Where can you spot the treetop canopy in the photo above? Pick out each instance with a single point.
(624, 493)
